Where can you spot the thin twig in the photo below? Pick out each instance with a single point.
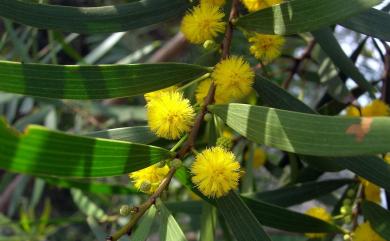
(170, 49)
(143, 207)
(386, 74)
(186, 148)
(297, 63)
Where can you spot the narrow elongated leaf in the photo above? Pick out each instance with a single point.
(305, 133)
(92, 187)
(92, 82)
(332, 48)
(40, 151)
(105, 19)
(87, 206)
(143, 229)
(274, 96)
(281, 218)
(169, 228)
(372, 168)
(137, 134)
(299, 193)
(242, 222)
(372, 22)
(298, 16)
(379, 218)
(208, 222)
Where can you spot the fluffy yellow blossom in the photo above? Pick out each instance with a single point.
(320, 213)
(364, 232)
(156, 94)
(387, 158)
(266, 47)
(218, 3)
(215, 172)
(372, 192)
(203, 90)
(152, 176)
(352, 111)
(234, 77)
(376, 108)
(259, 157)
(170, 115)
(202, 23)
(256, 5)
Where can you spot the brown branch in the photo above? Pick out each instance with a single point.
(297, 63)
(140, 211)
(386, 74)
(6, 195)
(186, 148)
(170, 49)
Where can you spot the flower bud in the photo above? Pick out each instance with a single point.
(225, 142)
(145, 186)
(208, 117)
(125, 210)
(347, 202)
(176, 163)
(161, 164)
(209, 44)
(351, 193)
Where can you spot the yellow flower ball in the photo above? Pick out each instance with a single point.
(364, 232)
(157, 94)
(203, 90)
(352, 111)
(202, 23)
(170, 115)
(256, 5)
(215, 172)
(372, 192)
(376, 108)
(218, 3)
(152, 175)
(320, 213)
(266, 47)
(387, 158)
(259, 157)
(234, 77)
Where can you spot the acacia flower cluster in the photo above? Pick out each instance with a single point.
(322, 214)
(215, 172)
(203, 22)
(233, 78)
(266, 47)
(170, 115)
(364, 232)
(259, 157)
(148, 179)
(256, 5)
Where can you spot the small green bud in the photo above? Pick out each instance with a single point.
(176, 163)
(347, 237)
(125, 210)
(351, 193)
(347, 202)
(208, 117)
(348, 219)
(345, 210)
(145, 186)
(225, 142)
(161, 164)
(209, 44)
